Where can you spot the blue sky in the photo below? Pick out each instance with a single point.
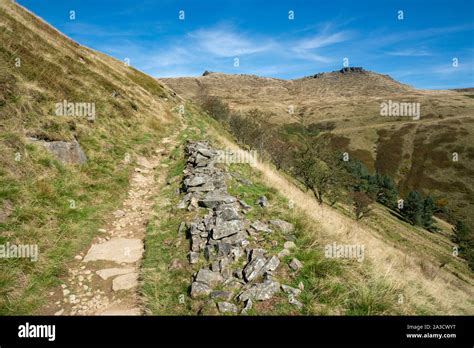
(418, 50)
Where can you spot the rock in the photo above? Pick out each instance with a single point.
(282, 225)
(260, 292)
(193, 257)
(289, 245)
(271, 264)
(196, 181)
(235, 239)
(226, 229)
(199, 289)
(117, 250)
(125, 281)
(260, 227)
(295, 264)
(290, 290)
(262, 201)
(229, 214)
(215, 198)
(60, 312)
(244, 205)
(283, 253)
(292, 300)
(221, 295)
(223, 249)
(208, 277)
(65, 152)
(254, 268)
(119, 213)
(227, 307)
(248, 306)
(182, 229)
(78, 257)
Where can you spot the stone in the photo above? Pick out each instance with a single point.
(235, 239)
(271, 264)
(245, 205)
(260, 292)
(227, 307)
(226, 229)
(196, 181)
(290, 290)
(221, 295)
(215, 198)
(247, 307)
(289, 245)
(262, 201)
(125, 282)
(229, 214)
(292, 300)
(209, 277)
(254, 268)
(260, 227)
(107, 273)
(295, 264)
(117, 250)
(193, 257)
(223, 249)
(199, 289)
(64, 151)
(182, 229)
(282, 225)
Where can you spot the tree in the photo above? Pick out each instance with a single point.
(427, 215)
(361, 204)
(320, 169)
(387, 193)
(413, 208)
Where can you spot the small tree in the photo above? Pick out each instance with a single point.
(427, 215)
(320, 169)
(362, 204)
(413, 208)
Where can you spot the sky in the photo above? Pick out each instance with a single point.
(430, 44)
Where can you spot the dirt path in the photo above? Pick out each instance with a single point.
(104, 281)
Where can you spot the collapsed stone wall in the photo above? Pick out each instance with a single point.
(238, 272)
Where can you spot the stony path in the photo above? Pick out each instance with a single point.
(105, 279)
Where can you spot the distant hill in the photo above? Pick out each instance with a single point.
(417, 153)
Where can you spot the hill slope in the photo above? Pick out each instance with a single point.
(416, 153)
(44, 202)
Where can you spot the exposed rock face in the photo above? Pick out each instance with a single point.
(223, 237)
(352, 69)
(66, 152)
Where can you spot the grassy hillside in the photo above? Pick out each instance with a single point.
(42, 201)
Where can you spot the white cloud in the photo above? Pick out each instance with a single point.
(226, 42)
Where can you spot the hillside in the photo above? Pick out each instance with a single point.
(416, 153)
(44, 201)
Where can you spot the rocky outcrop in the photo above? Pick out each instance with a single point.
(239, 272)
(66, 152)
